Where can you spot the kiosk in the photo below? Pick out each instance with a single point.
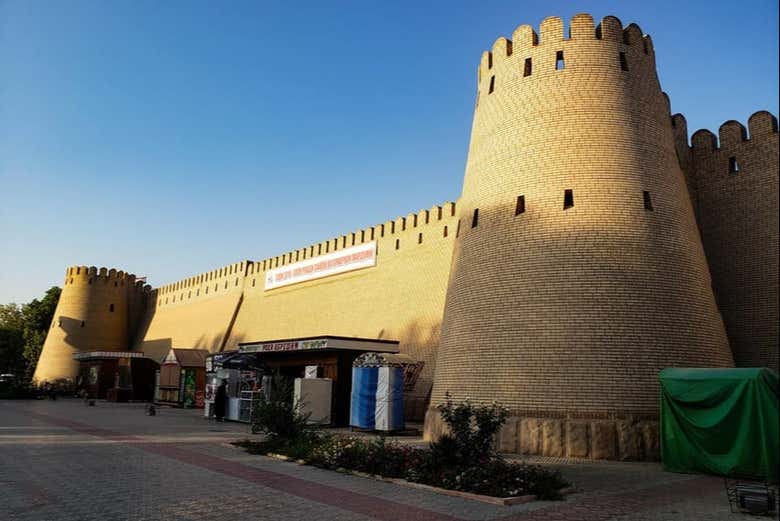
(322, 357)
(118, 376)
(182, 378)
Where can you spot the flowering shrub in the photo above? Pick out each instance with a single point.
(464, 460)
(472, 429)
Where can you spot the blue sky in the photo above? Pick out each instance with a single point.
(170, 138)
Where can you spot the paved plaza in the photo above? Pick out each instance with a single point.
(63, 461)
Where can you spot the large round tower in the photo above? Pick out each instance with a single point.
(92, 315)
(578, 271)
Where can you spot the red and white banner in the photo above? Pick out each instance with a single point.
(342, 261)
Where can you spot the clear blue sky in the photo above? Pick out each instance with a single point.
(170, 138)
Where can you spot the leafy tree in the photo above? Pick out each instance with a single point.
(23, 330)
(11, 316)
(38, 315)
(11, 350)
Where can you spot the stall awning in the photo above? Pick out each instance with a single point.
(319, 343)
(105, 355)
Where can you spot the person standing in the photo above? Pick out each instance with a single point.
(220, 397)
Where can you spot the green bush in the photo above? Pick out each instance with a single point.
(463, 460)
(278, 417)
(473, 429)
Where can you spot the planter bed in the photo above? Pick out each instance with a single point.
(256, 448)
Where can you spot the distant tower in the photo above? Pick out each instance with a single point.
(93, 314)
(578, 272)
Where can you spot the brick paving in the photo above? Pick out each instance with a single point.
(64, 461)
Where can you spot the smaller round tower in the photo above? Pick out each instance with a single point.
(92, 314)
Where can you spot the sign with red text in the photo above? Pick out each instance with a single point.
(286, 345)
(342, 261)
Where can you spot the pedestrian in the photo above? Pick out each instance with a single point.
(220, 397)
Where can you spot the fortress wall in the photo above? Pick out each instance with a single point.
(195, 312)
(401, 298)
(738, 218)
(574, 311)
(93, 314)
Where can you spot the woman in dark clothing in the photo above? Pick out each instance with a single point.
(220, 397)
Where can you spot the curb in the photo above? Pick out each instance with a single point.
(501, 501)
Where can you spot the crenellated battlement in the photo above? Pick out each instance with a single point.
(233, 276)
(526, 43)
(732, 135)
(395, 227)
(92, 274)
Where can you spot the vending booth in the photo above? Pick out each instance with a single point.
(118, 376)
(323, 357)
(182, 378)
(245, 379)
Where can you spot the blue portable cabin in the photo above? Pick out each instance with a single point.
(377, 401)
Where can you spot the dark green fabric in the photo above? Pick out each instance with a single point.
(720, 421)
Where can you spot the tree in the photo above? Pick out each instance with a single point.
(38, 315)
(11, 316)
(23, 330)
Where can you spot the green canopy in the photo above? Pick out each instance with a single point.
(720, 421)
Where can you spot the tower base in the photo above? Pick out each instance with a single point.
(626, 437)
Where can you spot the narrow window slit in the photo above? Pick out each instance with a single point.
(623, 62)
(492, 84)
(648, 201)
(733, 165)
(520, 206)
(475, 218)
(527, 69)
(568, 199)
(559, 63)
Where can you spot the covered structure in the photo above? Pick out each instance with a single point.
(720, 421)
(116, 375)
(321, 357)
(183, 378)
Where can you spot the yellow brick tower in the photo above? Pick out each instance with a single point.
(96, 312)
(578, 272)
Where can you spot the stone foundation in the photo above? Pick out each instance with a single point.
(624, 439)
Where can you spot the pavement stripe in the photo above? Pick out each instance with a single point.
(595, 508)
(372, 506)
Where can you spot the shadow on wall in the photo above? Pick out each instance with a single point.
(218, 341)
(72, 327)
(419, 341)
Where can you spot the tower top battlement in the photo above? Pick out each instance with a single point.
(551, 32)
(92, 273)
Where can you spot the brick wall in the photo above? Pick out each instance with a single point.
(736, 179)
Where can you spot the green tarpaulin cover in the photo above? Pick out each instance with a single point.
(720, 421)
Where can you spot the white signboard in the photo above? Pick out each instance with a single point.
(290, 345)
(342, 261)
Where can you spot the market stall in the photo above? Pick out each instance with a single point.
(118, 376)
(182, 378)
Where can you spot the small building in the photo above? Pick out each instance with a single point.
(182, 379)
(116, 375)
(318, 357)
